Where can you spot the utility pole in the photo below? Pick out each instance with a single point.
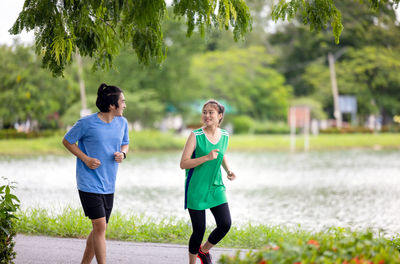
(335, 92)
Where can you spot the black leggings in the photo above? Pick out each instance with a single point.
(222, 218)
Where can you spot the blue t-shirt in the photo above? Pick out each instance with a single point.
(100, 140)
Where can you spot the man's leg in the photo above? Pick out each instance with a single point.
(96, 242)
(89, 250)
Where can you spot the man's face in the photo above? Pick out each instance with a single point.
(122, 105)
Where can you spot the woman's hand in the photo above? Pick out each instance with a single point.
(231, 175)
(92, 163)
(213, 154)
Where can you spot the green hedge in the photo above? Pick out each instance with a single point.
(271, 128)
(242, 124)
(155, 140)
(14, 134)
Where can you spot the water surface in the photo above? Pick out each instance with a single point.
(352, 188)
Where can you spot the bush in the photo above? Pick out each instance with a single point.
(346, 130)
(14, 134)
(339, 246)
(271, 128)
(155, 140)
(392, 128)
(242, 124)
(9, 204)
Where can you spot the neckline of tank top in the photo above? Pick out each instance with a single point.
(220, 136)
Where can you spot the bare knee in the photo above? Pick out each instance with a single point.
(99, 225)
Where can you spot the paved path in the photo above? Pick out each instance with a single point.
(42, 249)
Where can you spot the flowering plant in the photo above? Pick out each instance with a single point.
(339, 246)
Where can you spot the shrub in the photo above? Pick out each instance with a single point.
(9, 204)
(391, 128)
(346, 130)
(14, 134)
(271, 128)
(242, 124)
(340, 246)
(155, 140)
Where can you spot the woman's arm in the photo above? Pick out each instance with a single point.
(92, 163)
(231, 175)
(187, 162)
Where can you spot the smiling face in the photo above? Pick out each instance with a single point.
(121, 106)
(210, 115)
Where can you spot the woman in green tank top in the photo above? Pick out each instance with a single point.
(202, 157)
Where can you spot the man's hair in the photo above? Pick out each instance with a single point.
(107, 95)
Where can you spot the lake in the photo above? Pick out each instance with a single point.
(316, 190)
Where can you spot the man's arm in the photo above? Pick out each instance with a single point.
(92, 163)
(119, 156)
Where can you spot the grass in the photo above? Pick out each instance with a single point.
(157, 141)
(272, 244)
(71, 222)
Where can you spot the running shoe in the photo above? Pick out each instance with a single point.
(205, 258)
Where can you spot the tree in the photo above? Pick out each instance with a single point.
(28, 92)
(364, 27)
(171, 82)
(99, 29)
(371, 74)
(317, 14)
(246, 80)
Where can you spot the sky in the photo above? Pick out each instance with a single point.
(9, 13)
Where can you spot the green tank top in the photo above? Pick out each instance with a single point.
(204, 187)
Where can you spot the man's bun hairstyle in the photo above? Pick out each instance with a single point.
(107, 95)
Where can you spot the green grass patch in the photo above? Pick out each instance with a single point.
(150, 140)
(267, 244)
(34, 146)
(319, 142)
(71, 222)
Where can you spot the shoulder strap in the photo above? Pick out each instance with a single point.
(198, 132)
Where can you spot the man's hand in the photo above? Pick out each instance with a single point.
(119, 157)
(92, 163)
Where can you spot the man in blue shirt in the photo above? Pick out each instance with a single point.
(103, 142)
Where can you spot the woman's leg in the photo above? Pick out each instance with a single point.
(223, 220)
(198, 218)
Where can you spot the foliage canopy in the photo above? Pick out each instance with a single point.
(99, 29)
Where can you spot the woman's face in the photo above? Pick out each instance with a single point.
(210, 115)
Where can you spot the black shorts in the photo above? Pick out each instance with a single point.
(96, 205)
